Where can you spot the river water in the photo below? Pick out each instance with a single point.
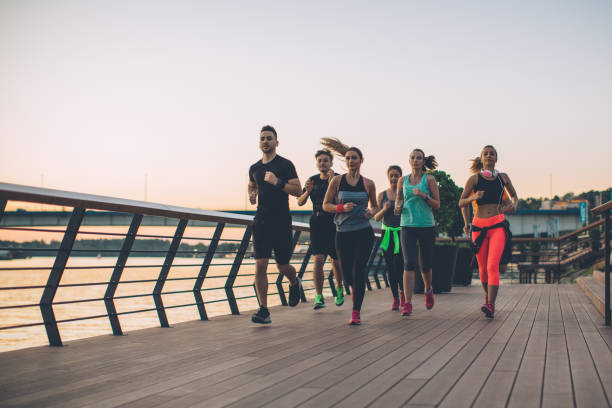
(137, 268)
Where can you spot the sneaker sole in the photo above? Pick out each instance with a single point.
(318, 306)
(487, 312)
(265, 321)
(354, 323)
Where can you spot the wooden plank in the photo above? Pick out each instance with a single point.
(411, 381)
(558, 387)
(585, 379)
(468, 386)
(327, 375)
(498, 386)
(597, 347)
(527, 389)
(228, 382)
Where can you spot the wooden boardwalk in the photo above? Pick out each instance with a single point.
(546, 347)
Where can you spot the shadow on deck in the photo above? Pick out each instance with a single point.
(547, 346)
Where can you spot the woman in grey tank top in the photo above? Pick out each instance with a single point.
(352, 198)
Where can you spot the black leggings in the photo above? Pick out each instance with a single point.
(395, 266)
(354, 248)
(426, 237)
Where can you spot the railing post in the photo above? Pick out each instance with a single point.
(330, 278)
(2, 207)
(210, 253)
(229, 283)
(607, 264)
(376, 269)
(163, 274)
(371, 261)
(46, 301)
(279, 278)
(303, 270)
(117, 272)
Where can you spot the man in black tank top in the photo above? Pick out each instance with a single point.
(322, 228)
(271, 180)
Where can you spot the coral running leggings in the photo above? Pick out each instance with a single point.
(492, 249)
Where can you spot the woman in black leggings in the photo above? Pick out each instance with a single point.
(348, 196)
(390, 244)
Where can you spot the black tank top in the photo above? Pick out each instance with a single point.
(390, 219)
(493, 190)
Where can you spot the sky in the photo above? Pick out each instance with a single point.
(97, 96)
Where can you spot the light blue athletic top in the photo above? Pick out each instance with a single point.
(416, 212)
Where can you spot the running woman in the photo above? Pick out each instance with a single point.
(489, 229)
(417, 195)
(348, 196)
(507, 208)
(390, 244)
(271, 180)
(322, 228)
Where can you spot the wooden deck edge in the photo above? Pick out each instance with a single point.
(594, 290)
(600, 276)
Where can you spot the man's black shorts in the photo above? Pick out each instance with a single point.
(323, 236)
(273, 233)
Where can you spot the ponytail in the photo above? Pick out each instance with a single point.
(477, 165)
(334, 144)
(430, 162)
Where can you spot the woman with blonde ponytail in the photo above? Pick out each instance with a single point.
(490, 230)
(348, 196)
(417, 195)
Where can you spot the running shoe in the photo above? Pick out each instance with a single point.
(429, 299)
(319, 302)
(355, 320)
(262, 316)
(488, 309)
(294, 293)
(407, 309)
(396, 304)
(402, 298)
(339, 300)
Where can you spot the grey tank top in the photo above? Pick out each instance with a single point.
(354, 220)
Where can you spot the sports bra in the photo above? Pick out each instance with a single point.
(493, 190)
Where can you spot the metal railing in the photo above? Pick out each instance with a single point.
(68, 246)
(604, 211)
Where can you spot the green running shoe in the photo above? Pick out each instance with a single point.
(339, 296)
(319, 302)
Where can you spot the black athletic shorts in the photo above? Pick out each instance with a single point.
(273, 233)
(323, 236)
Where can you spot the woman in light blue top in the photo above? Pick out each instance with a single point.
(417, 194)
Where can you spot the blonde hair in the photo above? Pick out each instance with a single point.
(334, 144)
(477, 165)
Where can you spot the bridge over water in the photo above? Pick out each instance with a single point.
(547, 346)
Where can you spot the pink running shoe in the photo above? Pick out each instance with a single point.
(429, 299)
(407, 309)
(355, 320)
(488, 309)
(402, 299)
(396, 304)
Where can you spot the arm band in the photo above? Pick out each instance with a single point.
(280, 183)
(340, 208)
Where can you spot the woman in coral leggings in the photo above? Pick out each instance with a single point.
(489, 228)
